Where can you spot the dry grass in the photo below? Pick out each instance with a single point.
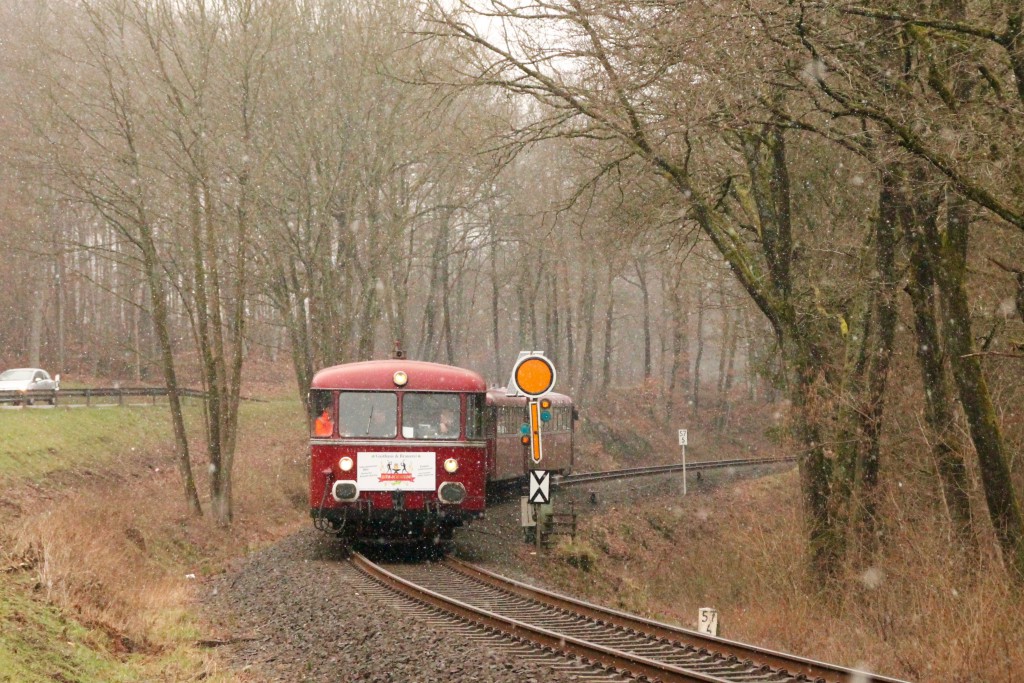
(628, 428)
(920, 610)
(918, 606)
(120, 553)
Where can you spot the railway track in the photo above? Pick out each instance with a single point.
(594, 642)
(629, 472)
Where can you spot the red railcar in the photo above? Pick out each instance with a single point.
(407, 450)
(509, 460)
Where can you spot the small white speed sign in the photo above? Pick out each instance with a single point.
(682, 437)
(707, 621)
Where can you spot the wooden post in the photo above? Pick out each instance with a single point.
(539, 531)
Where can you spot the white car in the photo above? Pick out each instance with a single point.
(28, 379)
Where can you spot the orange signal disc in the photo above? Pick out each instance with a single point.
(534, 376)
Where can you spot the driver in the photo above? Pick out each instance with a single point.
(448, 426)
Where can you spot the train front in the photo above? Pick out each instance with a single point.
(397, 450)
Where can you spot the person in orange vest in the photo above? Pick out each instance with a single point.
(324, 426)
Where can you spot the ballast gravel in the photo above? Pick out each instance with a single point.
(292, 612)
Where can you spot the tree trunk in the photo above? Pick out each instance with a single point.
(641, 273)
(522, 304)
(161, 327)
(749, 375)
(429, 343)
(679, 343)
(136, 336)
(1003, 505)
(499, 368)
(609, 319)
(723, 346)
(938, 401)
(570, 338)
(825, 535)
(553, 346)
(61, 301)
(699, 357)
(587, 313)
(35, 337)
(879, 356)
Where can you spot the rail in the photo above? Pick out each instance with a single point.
(729, 649)
(615, 640)
(546, 638)
(629, 472)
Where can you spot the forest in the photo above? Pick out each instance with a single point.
(818, 205)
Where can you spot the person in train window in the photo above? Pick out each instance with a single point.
(448, 426)
(323, 426)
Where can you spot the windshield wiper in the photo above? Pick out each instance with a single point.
(368, 420)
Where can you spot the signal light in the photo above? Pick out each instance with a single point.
(545, 416)
(545, 403)
(525, 439)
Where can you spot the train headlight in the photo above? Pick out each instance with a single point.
(401, 379)
(345, 464)
(451, 465)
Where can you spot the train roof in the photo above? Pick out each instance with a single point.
(380, 375)
(499, 397)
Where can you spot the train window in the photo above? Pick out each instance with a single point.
(561, 423)
(510, 419)
(321, 412)
(430, 416)
(476, 406)
(372, 414)
(506, 420)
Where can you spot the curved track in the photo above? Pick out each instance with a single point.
(587, 635)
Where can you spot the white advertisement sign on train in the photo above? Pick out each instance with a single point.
(401, 471)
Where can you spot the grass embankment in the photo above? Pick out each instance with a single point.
(99, 556)
(920, 609)
(37, 442)
(37, 643)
